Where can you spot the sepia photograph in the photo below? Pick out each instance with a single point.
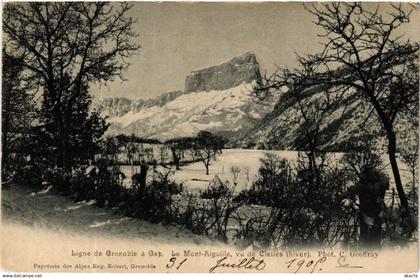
(210, 137)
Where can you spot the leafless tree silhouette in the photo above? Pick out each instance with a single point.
(364, 58)
(67, 46)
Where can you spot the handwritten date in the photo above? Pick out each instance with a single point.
(247, 263)
(305, 265)
(172, 262)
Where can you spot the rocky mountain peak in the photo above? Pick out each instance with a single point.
(238, 70)
(218, 99)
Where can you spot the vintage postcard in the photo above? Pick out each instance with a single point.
(179, 137)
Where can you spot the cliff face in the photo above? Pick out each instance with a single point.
(218, 99)
(119, 106)
(242, 69)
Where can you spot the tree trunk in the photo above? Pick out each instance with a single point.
(176, 158)
(5, 143)
(58, 120)
(67, 151)
(5, 149)
(7, 95)
(63, 159)
(59, 141)
(405, 212)
(143, 176)
(177, 163)
(396, 172)
(67, 156)
(371, 192)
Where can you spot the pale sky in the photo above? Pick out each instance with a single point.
(177, 38)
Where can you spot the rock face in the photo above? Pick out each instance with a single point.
(242, 69)
(218, 99)
(119, 106)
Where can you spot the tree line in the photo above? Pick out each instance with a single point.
(204, 147)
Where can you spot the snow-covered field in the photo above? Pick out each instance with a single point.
(248, 161)
(194, 175)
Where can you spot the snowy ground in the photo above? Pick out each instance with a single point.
(194, 175)
(59, 214)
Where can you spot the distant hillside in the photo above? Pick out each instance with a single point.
(342, 130)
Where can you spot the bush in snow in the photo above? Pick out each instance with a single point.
(155, 203)
(273, 183)
(306, 203)
(29, 175)
(216, 189)
(215, 214)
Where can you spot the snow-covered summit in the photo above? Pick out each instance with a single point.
(218, 99)
(230, 111)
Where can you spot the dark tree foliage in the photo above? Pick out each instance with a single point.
(177, 147)
(124, 139)
(17, 110)
(85, 127)
(66, 46)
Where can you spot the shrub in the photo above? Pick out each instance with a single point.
(155, 203)
(274, 181)
(215, 213)
(97, 182)
(83, 185)
(216, 189)
(306, 203)
(107, 188)
(30, 176)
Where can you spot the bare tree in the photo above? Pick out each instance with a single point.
(131, 149)
(207, 146)
(235, 170)
(162, 152)
(68, 45)
(206, 154)
(365, 59)
(176, 145)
